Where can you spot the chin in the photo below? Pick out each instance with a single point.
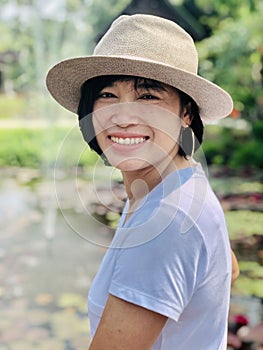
(129, 164)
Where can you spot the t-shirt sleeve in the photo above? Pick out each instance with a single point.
(162, 273)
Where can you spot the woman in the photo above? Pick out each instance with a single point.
(164, 283)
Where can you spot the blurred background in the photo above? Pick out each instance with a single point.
(58, 205)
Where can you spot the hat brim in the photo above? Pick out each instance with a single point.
(65, 79)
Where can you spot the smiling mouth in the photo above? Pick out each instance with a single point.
(128, 140)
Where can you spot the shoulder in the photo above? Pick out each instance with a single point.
(159, 268)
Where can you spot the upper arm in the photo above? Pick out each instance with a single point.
(127, 326)
(235, 267)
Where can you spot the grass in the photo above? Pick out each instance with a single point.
(36, 148)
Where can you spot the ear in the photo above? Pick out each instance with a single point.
(187, 115)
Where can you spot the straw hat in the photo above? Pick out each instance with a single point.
(146, 46)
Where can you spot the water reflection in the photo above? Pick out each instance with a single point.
(35, 234)
(45, 269)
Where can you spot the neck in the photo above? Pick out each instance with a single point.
(140, 182)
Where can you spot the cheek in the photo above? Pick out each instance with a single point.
(166, 143)
(100, 121)
(169, 130)
(99, 131)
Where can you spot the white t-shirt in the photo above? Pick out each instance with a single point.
(172, 256)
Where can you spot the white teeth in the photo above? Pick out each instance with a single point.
(128, 140)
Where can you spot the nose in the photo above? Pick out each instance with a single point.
(125, 114)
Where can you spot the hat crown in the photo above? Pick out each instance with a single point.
(151, 38)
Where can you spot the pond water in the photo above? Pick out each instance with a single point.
(51, 247)
(46, 268)
(37, 239)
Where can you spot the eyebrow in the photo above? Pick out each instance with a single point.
(149, 86)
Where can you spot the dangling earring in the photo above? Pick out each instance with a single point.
(187, 141)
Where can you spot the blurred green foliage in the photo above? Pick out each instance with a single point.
(36, 148)
(12, 106)
(232, 57)
(235, 148)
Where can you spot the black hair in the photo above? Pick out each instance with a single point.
(92, 87)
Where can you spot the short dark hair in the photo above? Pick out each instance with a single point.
(92, 87)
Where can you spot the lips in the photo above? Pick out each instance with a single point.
(128, 140)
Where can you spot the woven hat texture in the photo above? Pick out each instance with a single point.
(146, 46)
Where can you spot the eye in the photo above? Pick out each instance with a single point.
(148, 97)
(105, 95)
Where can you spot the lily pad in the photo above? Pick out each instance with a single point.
(22, 345)
(52, 343)
(248, 286)
(68, 300)
(36, 333)
(67, 325)
(37, 317)
(44, 299)
(244, 223)
(252, 269)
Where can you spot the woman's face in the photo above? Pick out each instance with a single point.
(137, 127)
